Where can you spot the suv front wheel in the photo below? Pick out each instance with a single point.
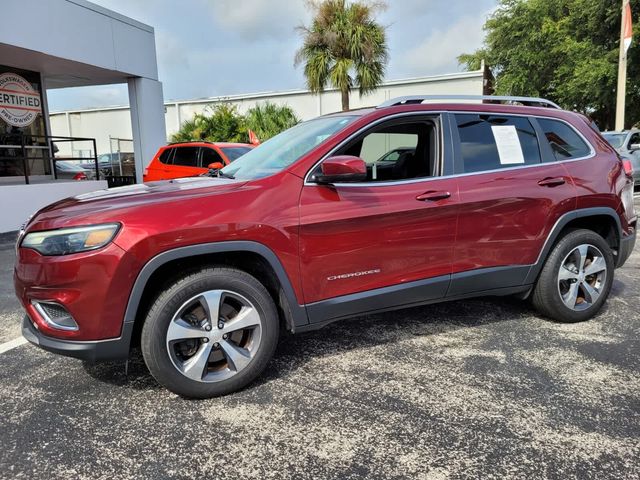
(210, 333)
(576, 278)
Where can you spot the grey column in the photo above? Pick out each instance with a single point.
(147, 120)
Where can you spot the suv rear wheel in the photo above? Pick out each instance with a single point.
(210, 333)
(576, 278)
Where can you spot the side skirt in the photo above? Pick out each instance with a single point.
(501, 280)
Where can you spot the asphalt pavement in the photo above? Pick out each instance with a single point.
(472, 389)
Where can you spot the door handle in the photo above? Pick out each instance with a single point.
(552, 182)
(433, 196)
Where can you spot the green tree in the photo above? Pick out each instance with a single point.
(268, 119)
(223, 123)
(344, 46)
(564, 50)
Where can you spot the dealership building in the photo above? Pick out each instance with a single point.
(71, 43)
(67, 43)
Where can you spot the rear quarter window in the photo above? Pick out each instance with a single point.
(165, 157)
(565, 142)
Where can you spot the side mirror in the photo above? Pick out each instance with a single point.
(342, 168)
(215, 166)
(634, 146)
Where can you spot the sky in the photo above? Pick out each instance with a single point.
(209, 48)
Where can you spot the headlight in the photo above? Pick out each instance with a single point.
(70, 240)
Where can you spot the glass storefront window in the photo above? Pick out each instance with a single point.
(23, 131)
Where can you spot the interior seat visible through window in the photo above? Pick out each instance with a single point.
(398, 150)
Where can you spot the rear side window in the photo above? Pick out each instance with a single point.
(564, 141)
(165, 157)
(186, 156)
(492, 142)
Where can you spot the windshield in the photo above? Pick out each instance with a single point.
(233, 153)
(615, 139)
(286, 148)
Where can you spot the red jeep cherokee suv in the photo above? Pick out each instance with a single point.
(477, 199)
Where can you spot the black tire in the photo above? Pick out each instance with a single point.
(546, 296)
(168, 303)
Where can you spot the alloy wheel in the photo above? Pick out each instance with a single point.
(214, 335)
(582, 277)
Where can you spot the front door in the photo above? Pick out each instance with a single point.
(393, 230)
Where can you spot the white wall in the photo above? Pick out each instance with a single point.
(115, 122)
(27, 199)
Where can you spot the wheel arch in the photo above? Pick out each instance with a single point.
(252, 257)
(602, 220)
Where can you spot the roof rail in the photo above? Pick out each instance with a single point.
(418, 99)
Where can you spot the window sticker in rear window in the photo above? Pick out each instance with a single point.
(508, 143)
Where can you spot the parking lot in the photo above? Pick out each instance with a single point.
(477, 388)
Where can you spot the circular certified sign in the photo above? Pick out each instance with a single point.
(19, 102)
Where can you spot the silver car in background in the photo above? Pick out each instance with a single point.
(627, 143)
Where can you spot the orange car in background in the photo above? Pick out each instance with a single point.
(189, 159)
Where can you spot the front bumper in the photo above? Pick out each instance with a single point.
(93, 287)
(627, 245)
(91, 351)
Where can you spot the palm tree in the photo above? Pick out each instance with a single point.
(268, 119)
(343, 46)
(223, 124)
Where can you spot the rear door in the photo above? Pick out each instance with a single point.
(510, 198)
(186, 163)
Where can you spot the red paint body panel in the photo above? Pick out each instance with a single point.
(505, 217)
(347, 230)
(93, 286)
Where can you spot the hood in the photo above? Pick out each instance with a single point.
(107, 203)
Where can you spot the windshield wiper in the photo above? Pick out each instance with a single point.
(221, 174)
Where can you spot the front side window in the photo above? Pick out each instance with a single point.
(399, 150)
(209, 156)
(186, 156)
(564, 141)
(286, 148)
(491, 142)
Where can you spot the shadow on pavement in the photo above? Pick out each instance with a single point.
(359, 333)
